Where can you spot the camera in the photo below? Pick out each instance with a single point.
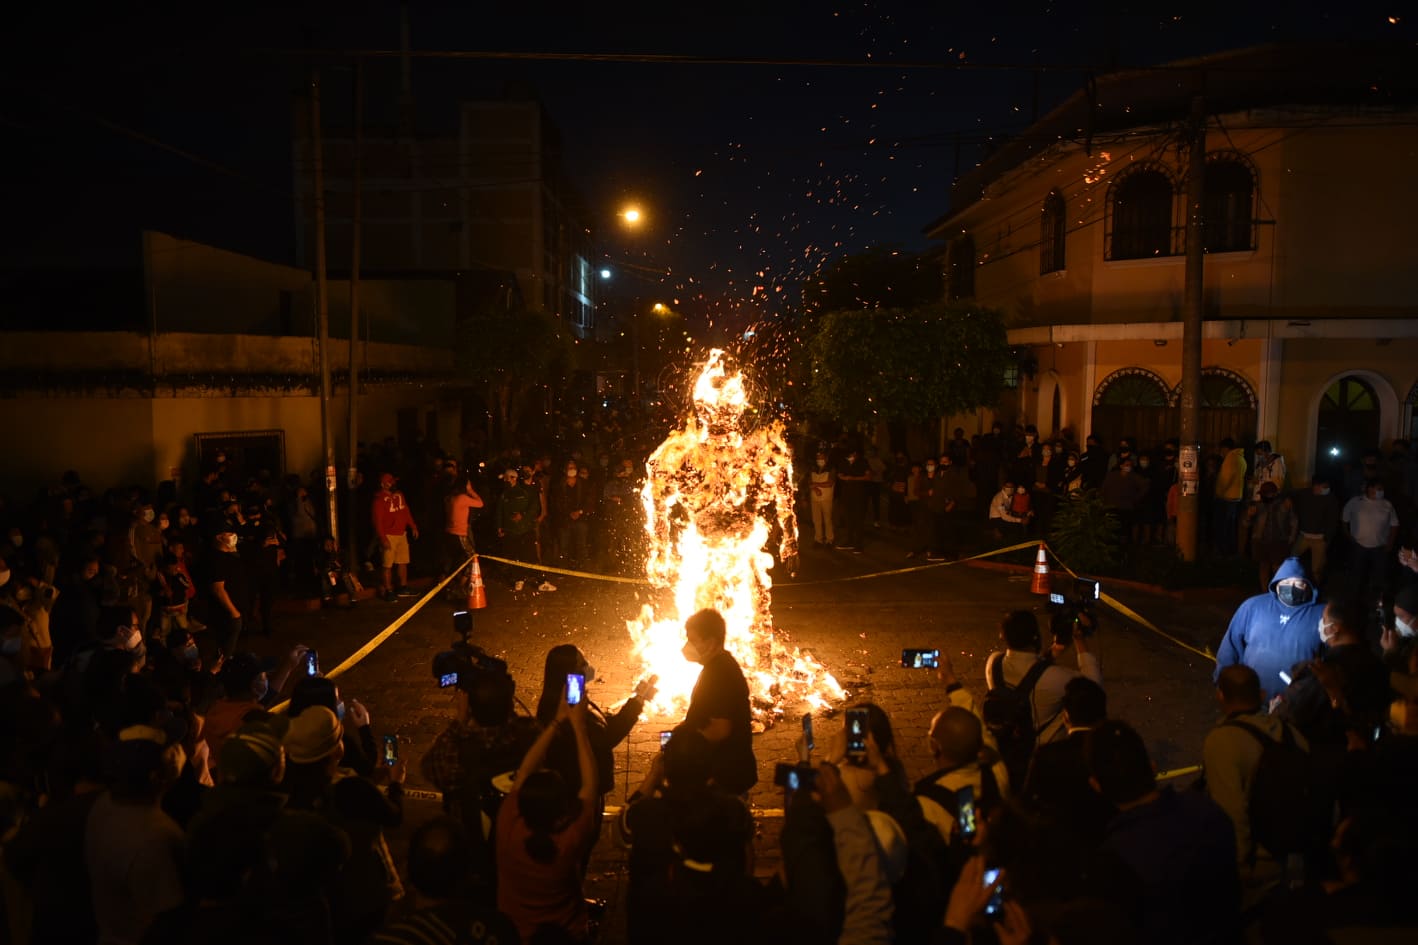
(795, 777)
(1076, 615)
(483, 677)
(920, 659)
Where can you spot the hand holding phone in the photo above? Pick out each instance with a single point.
(312, 663)
(965, 812)
(391, 750)
(665, 739)
(857, 735)
(575, 688)
(920, 659)
(995, 906)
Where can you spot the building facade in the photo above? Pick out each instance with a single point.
(229, 361)
(491, 195)
(1077, 231)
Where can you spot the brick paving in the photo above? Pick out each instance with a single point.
(857, 629)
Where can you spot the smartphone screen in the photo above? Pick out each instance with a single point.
(391, 750)
(447, 679)
(857, 733)
(807, 732)
(575, 688)
(665, 739)
(995, 906)
(1056, 599)
(312, 663)
(965, 811)
(1285, 678)
(920, 659)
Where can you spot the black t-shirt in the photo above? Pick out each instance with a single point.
(230, 570)
(722, 693)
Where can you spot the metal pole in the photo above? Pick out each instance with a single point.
(355, 226)
(322, 302)
(635, 358)
(1189, 500)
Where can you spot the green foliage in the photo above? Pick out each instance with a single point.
(1085, 534)
(514, 355)
(907, 365)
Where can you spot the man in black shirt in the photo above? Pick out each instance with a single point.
(228, 590)
(719, 706)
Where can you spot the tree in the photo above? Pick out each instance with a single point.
(907, 365)
(881, 277)
(513, 353)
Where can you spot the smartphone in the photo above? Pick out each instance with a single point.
(312, 663)
(463, 622)
(995, 907)
(391, 750)
(1088, 589)
(575, 688)
(794, 777)
(447, 679)
(965, 812)
(1285, 678)
(920, 659)
(1378, 733)
(807, 732)
(1056, 599)
(665, 739)
(857, 734)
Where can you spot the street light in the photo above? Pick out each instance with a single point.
(631, 215)
(605, 274)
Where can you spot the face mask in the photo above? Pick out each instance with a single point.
(690, 651)
(133, 640)
(229, 544)
(10, 646)
(1378, 494)
(24, 594)
(147, 515)
(1143, 464)
(1292, 596)
(821, 463)
(930, 467)
(852, 458)
(1126, 470)
(340, 710)
(1072, 463)
(1404, 628)
(260, 687)
(1048, 454)
(1326, 626)
(1029, 440)
(589, 672)
(1324, 490)
(1019, 491)
(190, 654)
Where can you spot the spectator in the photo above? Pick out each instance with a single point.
(867, 906)
(393, 525)
(459, 507)
(249, 684)
(1007, 523)
(439, 867)
(821, 482)
(1020, 632)
(1168, 858)
(719, 707)
(1270, 467)
(570, 503)
(1228, 492)
(958, 748)
(1271, 632)
(853, 475)
(1273, 530)
(1345, 690)
(1371, 523)
(520, 507)
(1399, 641)
(229, 590)
(1317, 511)
(1057, 783)
(132, 850)
(543, 833)
(1230, 759)
(1123, 493)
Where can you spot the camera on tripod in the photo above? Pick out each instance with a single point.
(472, 669)
(1070, 616)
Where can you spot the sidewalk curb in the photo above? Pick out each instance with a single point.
(1119, 582)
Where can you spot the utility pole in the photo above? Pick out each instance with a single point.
(355, 222)
(1193, 303)
(322, 302)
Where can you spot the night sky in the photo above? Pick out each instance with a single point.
(753, 176)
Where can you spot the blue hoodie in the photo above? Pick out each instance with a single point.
(1270, 637)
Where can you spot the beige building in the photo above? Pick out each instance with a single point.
(229, 361)
(1076, 230)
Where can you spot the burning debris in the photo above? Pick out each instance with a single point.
(716, 494)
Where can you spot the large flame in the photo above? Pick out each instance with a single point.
(713, 497)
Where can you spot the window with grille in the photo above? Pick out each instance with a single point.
(1227, 225)
(1141, 205)
(1053, 227)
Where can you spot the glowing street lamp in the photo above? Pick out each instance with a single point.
(605, 274)
(631, 215)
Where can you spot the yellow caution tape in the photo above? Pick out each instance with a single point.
(1134, 616)
(591, 575)
(1178, 772)
(919, 567)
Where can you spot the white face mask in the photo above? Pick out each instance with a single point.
(1326, 634)
(690, 651)
(1404, 628)
(147, 515)
(821, 463)
(1378, 494)
(930, 467)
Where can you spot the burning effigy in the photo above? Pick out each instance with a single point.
(718, 492)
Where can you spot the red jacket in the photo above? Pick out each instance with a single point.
(391, 513)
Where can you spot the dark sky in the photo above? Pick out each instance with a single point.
(752, 175)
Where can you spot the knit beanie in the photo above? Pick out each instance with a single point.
(251, 752)
(314, 735)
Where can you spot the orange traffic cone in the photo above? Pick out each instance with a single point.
(477, 591)
(1040, 584)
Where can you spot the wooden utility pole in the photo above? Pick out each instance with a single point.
(355, 222)
(322, 302)
(1193, 305)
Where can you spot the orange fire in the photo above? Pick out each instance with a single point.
(714, 494)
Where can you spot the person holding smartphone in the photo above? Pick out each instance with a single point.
(719, 706)
(544, 832)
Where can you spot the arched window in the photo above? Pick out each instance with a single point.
(1141, 207)
(1348, 422)
(1053, 227)
(1132, 389)
(962, 268)
(1227, 206)
(1132, 402)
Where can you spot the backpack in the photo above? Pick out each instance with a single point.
(1285, 807)
(1009, 715)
